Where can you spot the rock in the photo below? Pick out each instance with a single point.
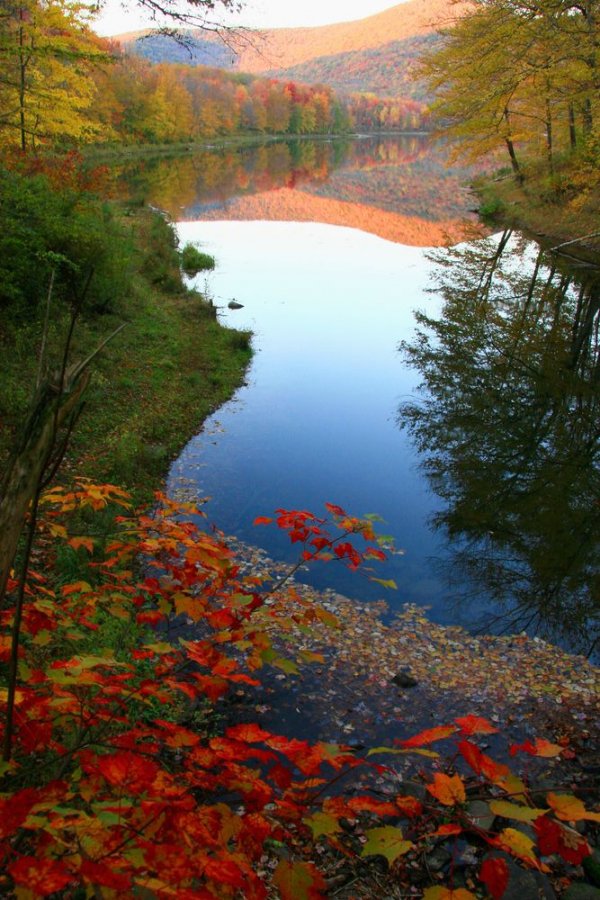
(402, 679)
(233, 304)
(591, 867)
(414, 789)
(581, 891)
(439, 858)
(480, 814)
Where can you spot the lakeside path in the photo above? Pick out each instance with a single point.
(527, 687)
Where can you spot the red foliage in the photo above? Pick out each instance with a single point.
(494, 874)
(135, 801)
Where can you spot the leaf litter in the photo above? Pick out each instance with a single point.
(525, 685)
(378, 682)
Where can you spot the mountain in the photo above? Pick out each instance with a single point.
(375, 54)
(280, 48)
(388, 71)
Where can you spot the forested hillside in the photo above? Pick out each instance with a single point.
(388, 71)
(277, 48)
(377, 55)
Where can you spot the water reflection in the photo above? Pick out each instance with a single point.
(509, 426)
(398, 188)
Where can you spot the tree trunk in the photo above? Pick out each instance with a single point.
(572, 131)
(51, 410)
(511, 149)
(549, 147)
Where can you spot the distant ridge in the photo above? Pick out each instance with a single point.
(279, 49)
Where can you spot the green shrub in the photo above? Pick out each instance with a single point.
(194, 261)
(161, 262)
(45, 229)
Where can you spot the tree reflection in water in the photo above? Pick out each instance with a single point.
(508, 424)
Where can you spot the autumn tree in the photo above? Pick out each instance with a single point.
(46, 58)
(522, 74)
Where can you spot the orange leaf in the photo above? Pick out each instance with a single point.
(444, 893)
(475, 725)
(409, 807)
(78, 587)
(369, 804)
(429, 736)
(569, 808)
(262, 520)
(448, 790)
(447, 830)
(483, 764)
(86, 543)
(299, 881)
(539, 748)
(251, 734)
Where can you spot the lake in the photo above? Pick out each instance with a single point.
(476, 442)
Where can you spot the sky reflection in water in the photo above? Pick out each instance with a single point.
(317, 421)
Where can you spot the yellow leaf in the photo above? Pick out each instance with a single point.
(519, 845)
(192, 607)
(513, 785)
(514, 811)
(322, 824)
(430, 754)
(569, 809)
(19, 696)
(387, 841)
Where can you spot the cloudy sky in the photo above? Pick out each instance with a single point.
(257, 14)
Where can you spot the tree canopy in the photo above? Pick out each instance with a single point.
(521, 74)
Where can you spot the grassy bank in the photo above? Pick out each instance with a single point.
(555, 211)
(152, 386)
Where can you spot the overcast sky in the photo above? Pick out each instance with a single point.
(257, 14)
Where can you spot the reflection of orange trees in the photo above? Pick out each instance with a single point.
(384, 175)
(210, 177)
(175, 186)
(291, 205)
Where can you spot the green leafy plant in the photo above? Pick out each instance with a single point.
(194, 261)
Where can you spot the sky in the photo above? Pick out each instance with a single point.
(257, 14)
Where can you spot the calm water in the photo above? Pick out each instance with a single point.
(316, 423)
(328, 247)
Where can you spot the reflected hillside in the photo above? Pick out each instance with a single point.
(509, 429)
(397, 188)
(287, 205)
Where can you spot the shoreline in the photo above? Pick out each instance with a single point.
(572, 233)
(359, 695)
(98, 153)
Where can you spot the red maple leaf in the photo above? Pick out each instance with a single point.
(494, 874)
(40, 876)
